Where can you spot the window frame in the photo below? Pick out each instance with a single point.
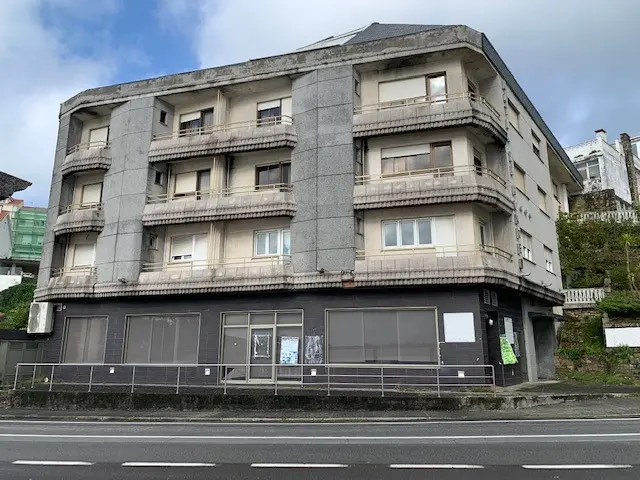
(193, 247)
(517, 170)
(430, 169)
(526, 250)
(93, 256)
(269, 166)
(200, 127)
(514, 109)
(536, 144)
(548, 259)
(90, 204)
(63, 350)
(281, 235)
(416, 233)
(443, 97)
(542, 197)
(163, 117)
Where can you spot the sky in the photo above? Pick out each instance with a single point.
(573, 58)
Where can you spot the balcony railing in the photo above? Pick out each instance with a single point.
(87, 146)
(613, 216)
(435, 251)
(80, 271)
(440, 172)
(226, 192)
(223, 263)
(432, 100)
(80, 206)
(263, 122)
(583, 297)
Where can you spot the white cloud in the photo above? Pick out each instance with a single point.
(39, 72)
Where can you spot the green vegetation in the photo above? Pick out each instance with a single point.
(14, 303)
(592, 249)
(591, 378)
(622, 303)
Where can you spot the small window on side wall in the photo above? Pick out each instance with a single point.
(159, 178)
(513, 114)
(163, 117)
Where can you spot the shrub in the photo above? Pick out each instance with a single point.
(623, 303)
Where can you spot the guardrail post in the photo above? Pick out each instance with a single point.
(438, 379)
(328, 382)
(276, 380)
(90, 378)
(133, 378)
(178, 381)
(493, 379)
(15, 380)
(53, 368)
(226, 373)
(33, 378)
(382, 380)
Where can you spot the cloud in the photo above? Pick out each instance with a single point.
(40, 72)
(570, 56)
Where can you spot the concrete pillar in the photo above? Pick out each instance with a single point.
(627, 151)
(529, 342)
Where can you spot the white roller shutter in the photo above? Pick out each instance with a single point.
(188, 117)
(200, 247)
(186, 182)
(181, 248)
(91, 193)
(401, 89)
(405, 151)
(268, 105)
(445, 231)
(286, 109)
(83, 254)
(99, 136)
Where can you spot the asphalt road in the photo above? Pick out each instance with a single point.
(548, 449)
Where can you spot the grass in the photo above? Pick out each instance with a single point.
(602, 378)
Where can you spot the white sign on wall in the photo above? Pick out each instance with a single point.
(621, 337)
(508, 330)
(459, 327)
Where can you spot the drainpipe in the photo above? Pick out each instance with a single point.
(627, 152)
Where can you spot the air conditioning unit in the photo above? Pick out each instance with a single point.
(40, 317)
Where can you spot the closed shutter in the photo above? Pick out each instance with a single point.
(287, 109)
(445, 231)
(181, 248)
(186, 183)
(200, 247)
(189, 117)
(83, 254)
(405, 151)
(401, 89)
(91, 193)
(269, 105)
(99, 136)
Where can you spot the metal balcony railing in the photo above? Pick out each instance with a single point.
(262, 122)
(226, 192)
(223, 263)
(433, 100)
(84, 270)
(80, 206)
(457, 170)
(88, 146)
(441, 251)
(334, 378)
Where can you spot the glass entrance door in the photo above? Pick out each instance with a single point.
(262, 353)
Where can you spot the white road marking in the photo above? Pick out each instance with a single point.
(298, 465)
(434, 466)
(573, 467)
(53, 463)
(320, 438)
(167, 464)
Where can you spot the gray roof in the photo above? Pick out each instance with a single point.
(10, 184)
(378, 31)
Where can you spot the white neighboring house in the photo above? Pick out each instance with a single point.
(602, 166)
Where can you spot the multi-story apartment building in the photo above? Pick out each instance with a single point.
(385, 197)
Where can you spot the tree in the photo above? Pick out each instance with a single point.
(14, 303)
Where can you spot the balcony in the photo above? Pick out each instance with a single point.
(224, 275)
(425, 113)
(248, 201)
(86, 217)
(441, 265)
(583, 297)
(69, 282)
(87, 156)
(275, 132)
(465, 183)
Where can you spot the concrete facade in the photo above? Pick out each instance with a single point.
(185, 211)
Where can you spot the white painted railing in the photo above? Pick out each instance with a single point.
(616, 216)
(583, 296)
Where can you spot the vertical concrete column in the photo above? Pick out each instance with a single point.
(627, 151)
(529, 342)
(322, 231)
(119, 248)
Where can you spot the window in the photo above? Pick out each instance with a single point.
(273, 242)
(189, 248)
(536, 144)
(382, 336)
(519, 178)
(275, 174)
(477, 162)
(398, 91)
(188, 183)
(91, 194)
(513, 115)
(195, 123)
(152, 241)
(407, 233)
(98, 137)
(163, 117)
(548, 259)
(590, 169)
(358, 158)
(482, 226)
(158, 178)
(274, 111)
(84, 340)
(418, 157)
(83, 254)
(162, 339)
(556, 195)
(437, 88)
(542, 200)
(359, 229)
(526, 246)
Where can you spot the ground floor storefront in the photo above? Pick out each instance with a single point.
(290, 337)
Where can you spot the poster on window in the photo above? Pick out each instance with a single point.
(289, 350)
(313, 350)
(261, 345)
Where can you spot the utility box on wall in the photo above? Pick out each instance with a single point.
(40, 317)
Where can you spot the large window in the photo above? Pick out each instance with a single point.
(273, 111)
(433, 87)
(162, 339)
(417, 157)
(99, 137)
(418, 232)
(273, 242)
(274, 174)
(84, 340)
(91, 194)
(195, 122)
(382, 336)
(189, 248)
(188, 183)
(590, 170)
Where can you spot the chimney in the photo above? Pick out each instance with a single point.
(627, 152)
(601, 133)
